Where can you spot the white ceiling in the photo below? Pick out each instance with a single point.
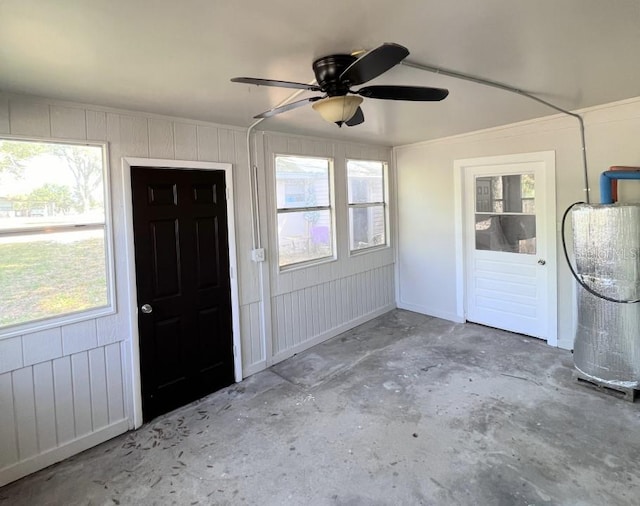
(176, 57)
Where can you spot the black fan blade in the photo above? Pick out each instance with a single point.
(271, 82)
(287, 107)
(375, 62)
(358, 118)
(414, 93)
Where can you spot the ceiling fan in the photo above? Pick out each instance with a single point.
(336, 74)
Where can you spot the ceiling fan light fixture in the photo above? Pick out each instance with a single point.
(338, 109)
(336, 74)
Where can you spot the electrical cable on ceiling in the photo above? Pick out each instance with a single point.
(506, 87)
(253, 182)
(575, 274)
(255, 218)
(255, 238)
(501, 86)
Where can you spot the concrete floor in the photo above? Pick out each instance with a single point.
(405, 409)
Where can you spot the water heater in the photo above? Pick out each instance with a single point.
(606, 244)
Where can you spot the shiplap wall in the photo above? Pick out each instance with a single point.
(65, 389)
(311, 304)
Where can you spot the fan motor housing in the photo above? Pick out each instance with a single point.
(328, 70)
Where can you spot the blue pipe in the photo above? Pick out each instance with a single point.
(606, 196)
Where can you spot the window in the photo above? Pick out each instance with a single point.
(367, 204)
(505, 213)
(304, 207)
(53, 232)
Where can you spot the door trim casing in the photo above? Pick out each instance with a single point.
(131, 349)
(459, 166)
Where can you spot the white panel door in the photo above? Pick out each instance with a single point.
(510, 244)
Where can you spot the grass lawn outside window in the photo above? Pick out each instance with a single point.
(54, 251)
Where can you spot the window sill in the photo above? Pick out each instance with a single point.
(305, 265)
(371, 249)
(22, 329)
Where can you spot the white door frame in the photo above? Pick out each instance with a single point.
(131, 347)
(549, 160)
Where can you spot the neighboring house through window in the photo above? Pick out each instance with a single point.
(304, 208)
(54, 242)
(367, 201)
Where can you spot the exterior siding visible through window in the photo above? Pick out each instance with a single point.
(367, 201)
(54, 242)
(304, 209)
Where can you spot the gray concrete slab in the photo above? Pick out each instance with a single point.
(405, 409)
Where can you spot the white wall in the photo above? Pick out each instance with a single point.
(425, 186)
(67, 388)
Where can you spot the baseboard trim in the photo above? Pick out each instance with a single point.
(14, 472)
(320, 338)
(248, 370)
(445, 315)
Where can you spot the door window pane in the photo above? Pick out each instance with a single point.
(512, 233)
(514, 193)
(505, 213)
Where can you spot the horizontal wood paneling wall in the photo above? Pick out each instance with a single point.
(65, 389)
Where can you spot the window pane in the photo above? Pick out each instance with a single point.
(304, 236)
(505, 194)
(302, 182)
(515, 234)
(45, 271)
(40, 276)
(366, 225)
(365, 181)
(44, 184)
(528, 186)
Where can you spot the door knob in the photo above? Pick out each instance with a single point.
(146, 309)
(542, 261)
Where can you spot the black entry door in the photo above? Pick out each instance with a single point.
(182, 278)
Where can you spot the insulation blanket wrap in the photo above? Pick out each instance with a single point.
(606, 242)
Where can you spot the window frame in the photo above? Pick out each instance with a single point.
(287, 210)
(384, 203)
(110, 307)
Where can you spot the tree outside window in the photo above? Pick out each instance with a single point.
(53, 237)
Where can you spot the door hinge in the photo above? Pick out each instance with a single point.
(227, 193)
